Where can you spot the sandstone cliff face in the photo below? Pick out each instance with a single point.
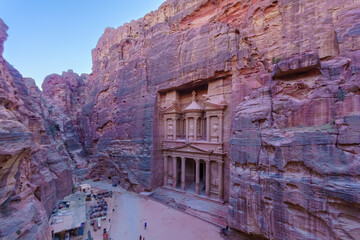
(34, 174)
(292, 71)
(64, 97)
(293, 138)
(295, 152)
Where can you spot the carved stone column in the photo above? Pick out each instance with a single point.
(174, 171)
(207, 184)
(165, 129)
(197, 176)
(208, 128)
(187, 129)
(165, 170)
(220, 182)
(183, 173)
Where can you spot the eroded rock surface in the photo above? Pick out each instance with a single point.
(291, 73)
(64, 97)
(294, 82)
(34, 174)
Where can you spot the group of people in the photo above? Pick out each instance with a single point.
(141, 237)
(224, 231)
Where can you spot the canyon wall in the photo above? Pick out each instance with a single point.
(34, 170)
(292, 170)
(64, 97)
(291, 73)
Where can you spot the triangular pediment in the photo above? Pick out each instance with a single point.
(173, 108)
(214, 106)
(189, 148)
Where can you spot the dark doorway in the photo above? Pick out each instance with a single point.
(201, 171)
(178, 169)
(190, 175)
(202, 177)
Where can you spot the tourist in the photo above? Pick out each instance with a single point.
(145, 225)
(140, 237)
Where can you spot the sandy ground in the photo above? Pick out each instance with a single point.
(163, 222)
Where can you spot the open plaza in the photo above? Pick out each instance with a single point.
(125, 217)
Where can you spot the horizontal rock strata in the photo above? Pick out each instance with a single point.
(288, 71)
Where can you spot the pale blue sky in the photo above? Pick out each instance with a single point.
(52, 36)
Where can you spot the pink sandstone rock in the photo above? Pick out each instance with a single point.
(289, 74)
(64, 97)
(34, 174)
(288, 174)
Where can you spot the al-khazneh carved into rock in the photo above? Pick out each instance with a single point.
(272, 129)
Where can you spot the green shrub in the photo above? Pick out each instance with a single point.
(53, 128)
(275, 60)
(50, 109)
(341, 94)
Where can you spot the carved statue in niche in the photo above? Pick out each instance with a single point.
(170, 130)
(214, 130)
(191, 129)
(214, 181)
(214, 175)
(199, 125)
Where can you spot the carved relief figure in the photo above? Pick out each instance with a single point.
(214, 175)
(191, 129)
(214, 130)
(214, 181)
(170, 130)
